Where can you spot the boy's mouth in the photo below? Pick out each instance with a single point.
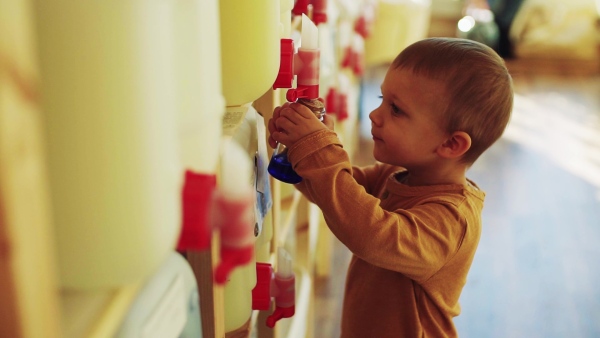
(376, 138)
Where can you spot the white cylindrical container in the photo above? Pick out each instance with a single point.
(166, 305)
(200, 103)
(328, 66)
(285, 18)
(108, 100)
(398, 24)
(249, 48)
(235, 181)
(238, 297)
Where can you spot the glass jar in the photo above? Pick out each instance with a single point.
(280, 167)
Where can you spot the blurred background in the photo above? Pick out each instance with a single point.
(134, 193)
(537, 270)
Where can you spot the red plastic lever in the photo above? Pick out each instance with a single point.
(196, 196)
(285, 77)
(261, 294)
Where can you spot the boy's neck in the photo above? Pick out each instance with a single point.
(455, 175)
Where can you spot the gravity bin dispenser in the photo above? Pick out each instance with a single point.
(305, 65)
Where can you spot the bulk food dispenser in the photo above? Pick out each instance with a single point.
(305, 65)
(108, 98)
(250, 33)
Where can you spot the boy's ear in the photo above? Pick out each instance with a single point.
(455, 146)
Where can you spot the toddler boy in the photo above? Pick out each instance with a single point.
(413, 219)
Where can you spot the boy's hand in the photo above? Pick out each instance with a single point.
(293, 121)
(271, 126)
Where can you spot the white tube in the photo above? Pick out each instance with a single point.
(284, 263)
(310, 34)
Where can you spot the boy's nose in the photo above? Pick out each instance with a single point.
(373, 117)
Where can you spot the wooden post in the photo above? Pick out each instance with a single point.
(29, 304)
(211, 294)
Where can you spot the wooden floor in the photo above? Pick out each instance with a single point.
(537, 270)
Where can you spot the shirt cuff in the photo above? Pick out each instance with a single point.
(310, 144)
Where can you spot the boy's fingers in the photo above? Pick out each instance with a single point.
(271, 126)
(328, 121)
(291, 115)
(277, 110)
(276, 113)
(283, 124)
(281, 137)
(302, 110)
(272, 142)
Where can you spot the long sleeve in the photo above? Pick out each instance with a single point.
(415, 242)
(412, 246)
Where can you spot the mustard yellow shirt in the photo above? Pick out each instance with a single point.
(412, 246)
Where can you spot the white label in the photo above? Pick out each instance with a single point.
(233, 118)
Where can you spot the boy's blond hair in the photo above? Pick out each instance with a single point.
(479, 90)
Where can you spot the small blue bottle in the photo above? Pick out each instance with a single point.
(280, 167)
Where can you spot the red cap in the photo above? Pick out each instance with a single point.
(196, 202)
(319, 18)
(359, 64)
(353, 60)
(301, 7)
(342, 113)
(347, 60)
(362, 27)
(319, 12)
(331, 101)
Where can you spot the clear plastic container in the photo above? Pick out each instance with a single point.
(200, 103)
(250, 34)
(280, 167)
(109, 108)
(399, 23)
(167, 304)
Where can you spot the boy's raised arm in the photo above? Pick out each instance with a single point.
(413, 242)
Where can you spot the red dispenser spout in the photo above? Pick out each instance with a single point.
(304, 64)
(280, 285)
(283, 289)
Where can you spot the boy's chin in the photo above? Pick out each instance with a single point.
(382, 159)
(379, 158)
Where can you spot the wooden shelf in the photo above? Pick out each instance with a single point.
(95, 314)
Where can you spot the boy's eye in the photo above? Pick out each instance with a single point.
(395, 110)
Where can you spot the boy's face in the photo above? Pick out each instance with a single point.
(406, 127)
